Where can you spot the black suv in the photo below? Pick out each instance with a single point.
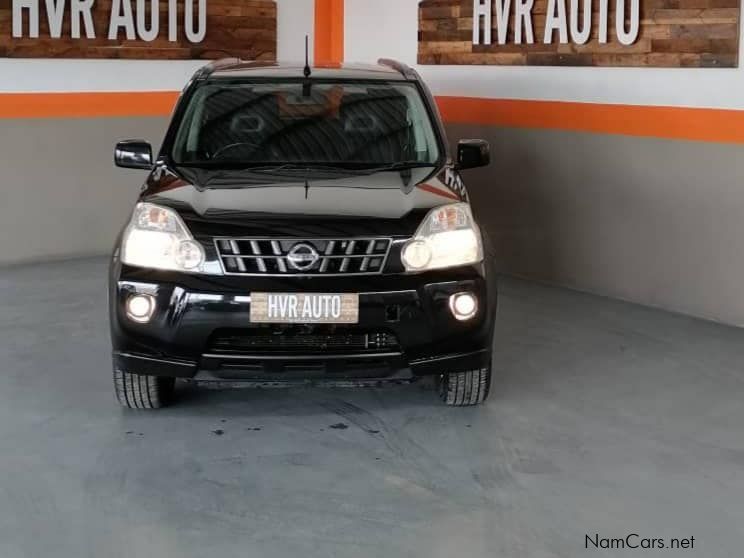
(300, 225)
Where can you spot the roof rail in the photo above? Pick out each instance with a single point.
(207, 69)
(404, 69)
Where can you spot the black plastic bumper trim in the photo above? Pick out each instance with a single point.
(218, 356)
(451, 363)
(154, 366)
(157, 366)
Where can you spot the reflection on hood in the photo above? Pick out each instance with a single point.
(222, 192)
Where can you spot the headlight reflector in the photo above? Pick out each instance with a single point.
(449, 237)
(189, 254)
(416, 255)
(157, 238)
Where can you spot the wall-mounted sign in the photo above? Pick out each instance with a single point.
(176, 29)
(661, 33)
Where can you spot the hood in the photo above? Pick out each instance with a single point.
(240, 197)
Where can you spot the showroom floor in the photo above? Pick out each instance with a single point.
(606, 418)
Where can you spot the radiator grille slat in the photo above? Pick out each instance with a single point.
(277, 250)
(297, 256)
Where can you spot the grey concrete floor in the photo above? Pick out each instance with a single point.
(605, 418)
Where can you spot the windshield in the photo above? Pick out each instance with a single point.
(344, 123)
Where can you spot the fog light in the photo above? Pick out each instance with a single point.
(140, 308)
(463, 305)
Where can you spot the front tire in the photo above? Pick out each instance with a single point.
(135, 391)
(462, 389)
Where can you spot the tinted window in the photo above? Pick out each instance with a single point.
(351, 123)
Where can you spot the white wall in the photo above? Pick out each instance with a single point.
(295, 19)
(388, 28)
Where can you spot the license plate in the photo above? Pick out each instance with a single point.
(304, 308)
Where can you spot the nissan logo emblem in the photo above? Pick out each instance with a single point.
(302, 257)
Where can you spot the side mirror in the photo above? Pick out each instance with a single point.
(473, 153)
(133, 154)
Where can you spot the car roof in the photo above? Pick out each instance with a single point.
(235, 68)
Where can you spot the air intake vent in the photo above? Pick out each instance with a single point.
(268, 341)
(293, 256)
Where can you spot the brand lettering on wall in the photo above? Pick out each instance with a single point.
(138, 28)
(660, 33)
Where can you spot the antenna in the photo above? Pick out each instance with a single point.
(307, 85)
(307, 71)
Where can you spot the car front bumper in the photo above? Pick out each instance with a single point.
(191, 310)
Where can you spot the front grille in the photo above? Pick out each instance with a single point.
(295, 256)
(296, 341)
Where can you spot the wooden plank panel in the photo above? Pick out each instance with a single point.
(242, 28)
(672, 33)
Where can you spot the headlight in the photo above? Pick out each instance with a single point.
(448, 237)
(157, 238)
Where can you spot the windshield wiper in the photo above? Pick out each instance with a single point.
(304, 168)
(405, 168)
(402, 165)
(226, 169)
(272, 168)
(342, 167)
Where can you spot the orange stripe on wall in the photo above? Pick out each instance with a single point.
(76, 105)
(699, 124)
(329, 31)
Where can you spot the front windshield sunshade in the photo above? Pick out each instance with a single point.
(345, 123)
